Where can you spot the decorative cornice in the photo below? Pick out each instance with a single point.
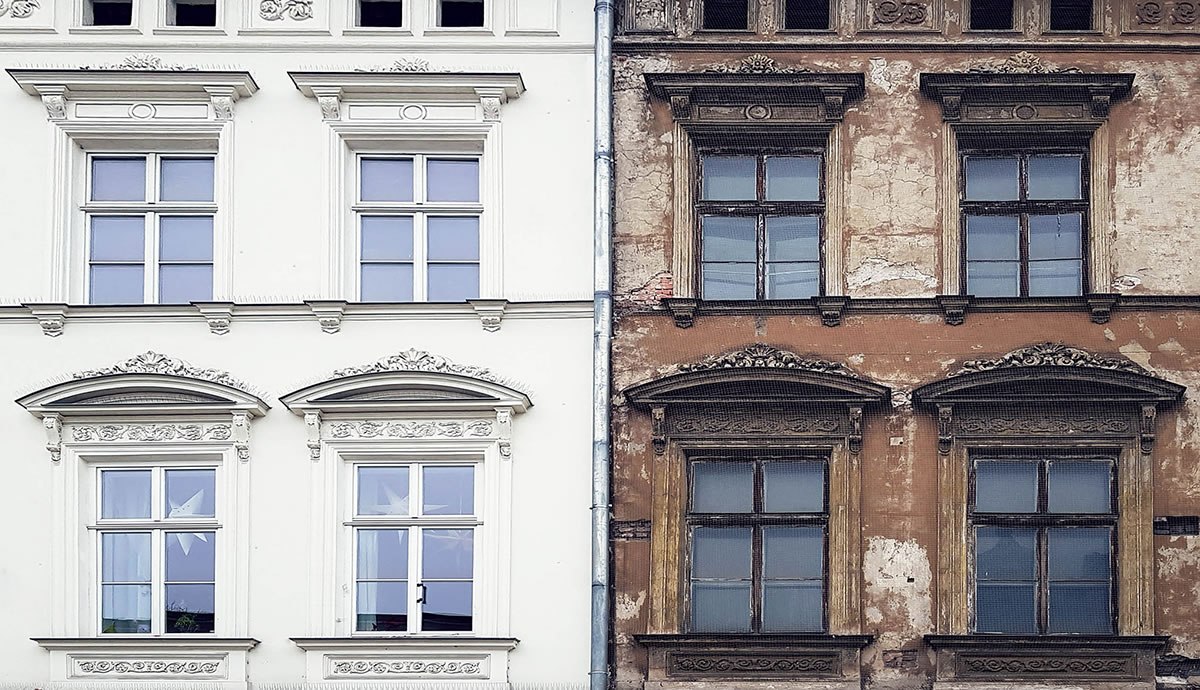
(151, 362)
(1023, 62)
(19, 9)
(766, 357)
(83, 433)
(1048, 354)
(757, 64)
(142, 62)
(414, 360)
(275, 10)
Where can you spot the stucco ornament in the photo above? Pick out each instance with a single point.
(766, 357)
(149, 667)
(275, 10)
(151, 362)
(1024, 62)
(387, 668)
(757, 64)
(419, 360)
(408, 64)
(19, 9)
(142, 62)
(1048, 355)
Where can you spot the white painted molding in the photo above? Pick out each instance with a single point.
(219, 315)
(58, 86)
(491, 312)
(460, 86)
(51, 317)
(329, 313)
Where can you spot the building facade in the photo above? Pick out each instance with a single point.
(273, 273)
(904, 363)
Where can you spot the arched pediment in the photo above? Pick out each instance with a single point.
(1050, 372)
(410, 380)
(147, 384)
(759, 374)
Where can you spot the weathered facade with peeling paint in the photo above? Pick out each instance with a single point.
(906, 372)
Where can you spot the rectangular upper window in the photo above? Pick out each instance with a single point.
(1071, 15)
(761, 217)
(757, 530)
(381, 13)
(991, 15)
(726, 15)
(1045, 542)
(415, 529)
(461, 13)
(418, 228)
(1024, 217)
(149, 220)
(191, 12)
(157, 534)
(806, 15)
(108, 12)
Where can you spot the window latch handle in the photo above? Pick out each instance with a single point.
(421, 593)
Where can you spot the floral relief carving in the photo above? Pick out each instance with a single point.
(149, 666)
(387, 668)
(1048, 355)
(766, 357)
(751, 664)
(1176, 13)
(1024, 62)
(1012, 665)
(889, 12)
(412, 429)
(1044, 425)
(143, 62)
(408, 64)
(757, 64)
(419, 361)
(19, 9)
(758, 423)
(151, 432)
(151, 362)
(275, 10)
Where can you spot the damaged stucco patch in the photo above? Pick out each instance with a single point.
(627, 608)
(898, 582)
(875, 270)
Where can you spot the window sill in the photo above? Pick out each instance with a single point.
(86, 660)
(407, 658)
(754, 657)
(119, 30)
(1098, 658)
(190, 31)
(377, 31)
(398, 642)
(186, 642)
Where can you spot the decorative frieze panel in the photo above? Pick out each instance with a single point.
(723, 422)
(1016, 667)
(648, 16)
(1155, 16)
(900, 16)
(476, 428)
(113, 668)
(1055, 424)
(765, 664)
(385, 669)
(87, 433)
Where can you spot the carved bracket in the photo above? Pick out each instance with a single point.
(1101, 306)
(658, 420)
(855, 437)
(945, 428)
(1149, 415)
(504, 431)
(954, 308)
(490, 311)
(241, 435)
(51, 317)
(219, 315)
(831, 309)
(312, 425)
(52, 423)
(683, 310)
(329, 313)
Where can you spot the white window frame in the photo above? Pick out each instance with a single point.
(420, 210)
(158, 527)
(83, 7)
(433, 20)
(166, 8)
(151, 209)
(354, 16)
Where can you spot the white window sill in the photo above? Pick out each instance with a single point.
(377, 31)
(190, 31)
(422, 658)
(87, 660)
(459, 31)
(105, 30)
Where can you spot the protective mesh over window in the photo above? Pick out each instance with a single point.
(1070, 15)
(991, 15)
(726, 14)
(806, 15)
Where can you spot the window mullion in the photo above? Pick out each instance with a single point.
(420, 257)
(150, 260)
(760, 245)
(415, 590)
(158, 625)
(757, 593)
(1043, 588)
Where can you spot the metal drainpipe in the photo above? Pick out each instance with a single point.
(601, 346)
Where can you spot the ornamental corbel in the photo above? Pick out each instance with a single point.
(831, 309)
(856, 429)
(241, 435)
(490, 311)
(329, 98)
(954, 308)
(835, 104)
(491, 99)
(681, 106)
(312, 425)
(504, 431)
(1101, 103)
(52, 317)
(683, 310)
(945, 428)
(658, 424)
(222, 98)
(52, 423)
(1149, 415)
(329, 313)
(54, 98)
(219, 315)
(1101, 306)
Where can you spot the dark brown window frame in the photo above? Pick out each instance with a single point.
(756, 520)
(1013, 28)
(781, 19)
(1042, 520)
(761, 209)
(751, 19)
(1024, 207)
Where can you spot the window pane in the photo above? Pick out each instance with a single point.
(181, 283)
(1055, 177)
(993, 237)
(810, 15)
(447, 553)
(383, 491)
(1080, 608)
(728, 281)
(992, 179)
(729, 178)
(125, 494)
(1005, 553)
(447, 606)
(793, 552)
(453, 180)
(722, 487)
(191, 493)
(386, 179)
(187, 179)
(118, 238)
(386, 283)
(190, 608)
(721, 606)
(721, 552)
(453, 282)
(991, 15)
(382, 606)
(794, 487)
(1005, 487)
(1055, 278)
(387, 238)
(1079, 553)
(729, 239)
(793, 606)
(449, 491)
(382, 554)
(125, 608)
(793, 280)
(118, 179)
(461, 13)
(791, 178)
(1055, 237)
(725, 14)
(453, 239)
(994, 279)
(125, 557)
(793, 238)
(185, 238)
(115, 284)
(191, 556)
(1005, 608)
(1080, 487)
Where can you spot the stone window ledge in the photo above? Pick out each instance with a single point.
(1125, 660)
(677, 659)
(417, 658)
(185, 658)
